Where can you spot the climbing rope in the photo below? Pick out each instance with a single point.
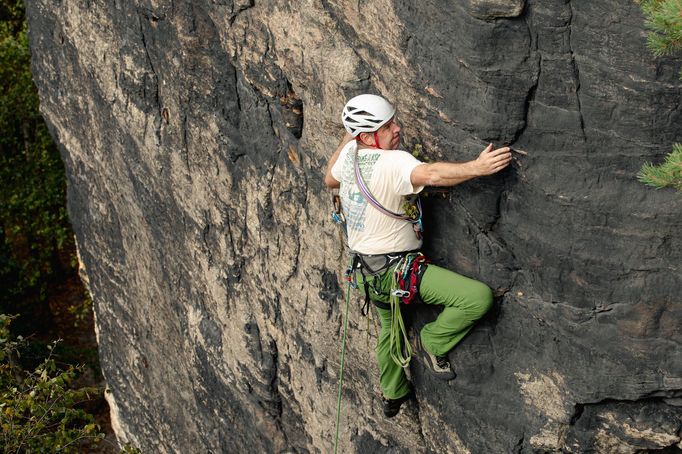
(399, 345)
(370, 321)
(343, 357)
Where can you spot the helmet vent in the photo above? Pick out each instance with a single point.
(366, 113)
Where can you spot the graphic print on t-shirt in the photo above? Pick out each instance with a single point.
(356, 205)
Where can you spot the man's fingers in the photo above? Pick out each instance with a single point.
(500, 151)
(504, 163)
(500, 163)
(493, 160)
(487, 149)
(497, 169)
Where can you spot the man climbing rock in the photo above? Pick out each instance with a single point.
(378, 183)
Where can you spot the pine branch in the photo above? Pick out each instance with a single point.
(669, 173)
(664, 19)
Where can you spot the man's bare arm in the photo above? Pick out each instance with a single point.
(329, 180)
(452, 173)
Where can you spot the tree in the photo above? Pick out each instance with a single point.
(664, 20)
(35, 235)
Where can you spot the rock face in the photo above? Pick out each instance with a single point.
(195, 134)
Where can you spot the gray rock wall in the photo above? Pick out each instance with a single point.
(195, 134)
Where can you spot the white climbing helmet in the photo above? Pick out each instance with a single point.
(366, 113)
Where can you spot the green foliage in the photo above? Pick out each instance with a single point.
(130, 449)
(664, 19)
(667, 174)
(82, 310)
(418, 152)
(34, 230)
(40, 411)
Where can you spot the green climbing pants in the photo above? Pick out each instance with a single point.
(465, 301)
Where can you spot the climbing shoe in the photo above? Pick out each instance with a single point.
(439, 366)
(392, 406)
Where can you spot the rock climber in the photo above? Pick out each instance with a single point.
(376, 181)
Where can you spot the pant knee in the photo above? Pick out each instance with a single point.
(482, 299)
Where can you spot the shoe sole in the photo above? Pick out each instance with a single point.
(428, 361)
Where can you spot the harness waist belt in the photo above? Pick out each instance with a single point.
(374, 264)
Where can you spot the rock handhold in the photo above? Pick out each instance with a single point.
(492, 9)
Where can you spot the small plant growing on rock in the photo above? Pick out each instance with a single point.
(418, 152)
(667, 174)
(664, 20)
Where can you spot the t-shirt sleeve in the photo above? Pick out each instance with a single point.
(337, 168)
(404, 163)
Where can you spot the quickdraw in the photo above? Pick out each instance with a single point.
(408, 275)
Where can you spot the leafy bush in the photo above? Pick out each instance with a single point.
(39, 409)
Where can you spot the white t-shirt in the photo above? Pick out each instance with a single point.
(387, 175)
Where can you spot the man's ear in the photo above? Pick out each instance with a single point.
(365, 138)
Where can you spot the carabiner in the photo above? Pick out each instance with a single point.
(400, 293)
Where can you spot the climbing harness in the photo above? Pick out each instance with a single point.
(405, 271)
(370, 266)
(415, 220)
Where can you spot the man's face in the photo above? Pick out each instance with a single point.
(389, 135)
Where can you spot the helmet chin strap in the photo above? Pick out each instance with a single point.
(376, 141)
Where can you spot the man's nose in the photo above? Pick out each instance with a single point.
(396, 127)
